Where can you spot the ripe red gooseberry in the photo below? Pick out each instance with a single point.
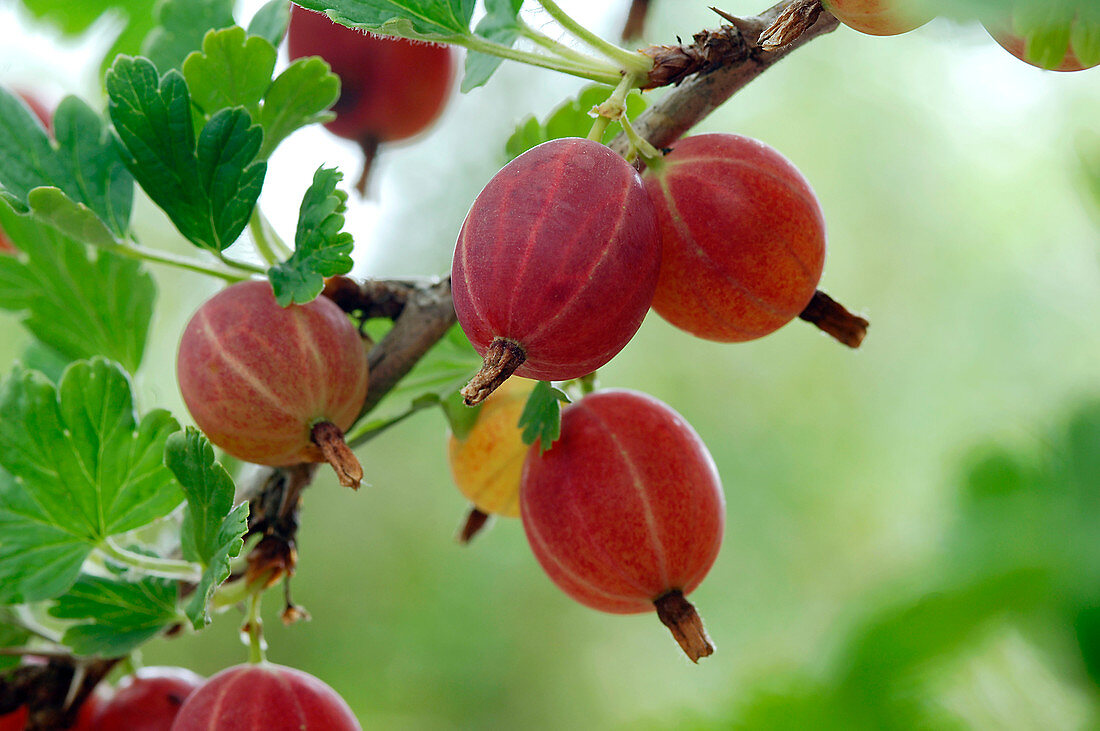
(555, 265)
(265, 696)
(391, 88)
(625, 511)
(274, 385)
(743, 237)
(148, 700)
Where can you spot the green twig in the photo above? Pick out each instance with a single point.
(599, 73)
(242, 265)
(629, 61)
(137, 251)
(270, 245)
(560, 49)
(166, 568)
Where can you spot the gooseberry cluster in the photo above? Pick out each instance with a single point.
(557, 263)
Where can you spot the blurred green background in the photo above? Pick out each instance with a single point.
(912, 535)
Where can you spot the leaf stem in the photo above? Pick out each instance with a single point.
(137, 251)
(599, 73)
(629, 61)
(561, 49)
(165, 568)
(237, 264)
(268, 243)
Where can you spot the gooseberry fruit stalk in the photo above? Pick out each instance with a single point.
(625, 512)
(555, 265)
(272, 385)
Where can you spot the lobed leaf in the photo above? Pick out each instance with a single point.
(79, 303)
(429, 20)
(207, 187)
(181, 27)
(541, 417)
(213, 530)
(500, 25)
(82, 468)
(321, 249)
(299, 96)
(83, 164)
(232, 70)
(270, 21)
(122, 615)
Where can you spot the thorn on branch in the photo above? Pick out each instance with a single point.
(795, 20)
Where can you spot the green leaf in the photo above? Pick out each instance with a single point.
(429, 20)
(270, 22)
(76, 220)
(83, 165)
(233, 70)
(499, 26)
(460, 417)
(443, 370)
(541, 417)
(321, 249)
(208, 188)
(570, 119)
(181, 27)
(122, 614)
(82, 468)
(79, 302)
(299, 96)
(213, 530)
